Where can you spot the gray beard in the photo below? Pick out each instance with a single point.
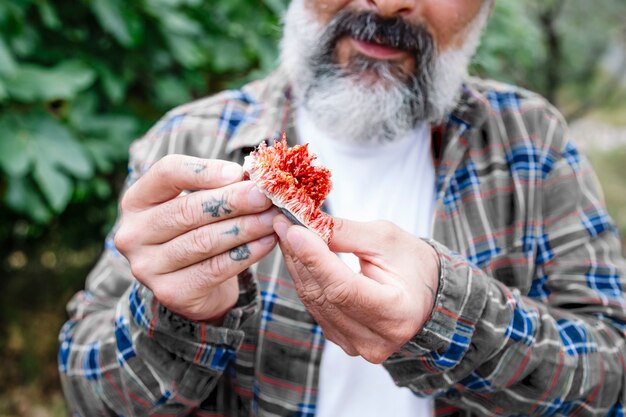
(371, 110)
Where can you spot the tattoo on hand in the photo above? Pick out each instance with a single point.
(216, 207)
(240, 253)
(196, 167)
(234, 231)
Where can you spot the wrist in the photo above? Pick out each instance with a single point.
(431, 278)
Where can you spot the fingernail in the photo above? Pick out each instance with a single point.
(268, 240)
(267, 218)
(232, 172)
(256, 198)
(280, 227)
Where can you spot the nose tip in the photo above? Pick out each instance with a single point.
(390, 8)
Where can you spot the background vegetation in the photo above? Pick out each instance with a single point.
(79, 80)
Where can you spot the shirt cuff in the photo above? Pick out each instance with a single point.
(202, 344)
(461, 297)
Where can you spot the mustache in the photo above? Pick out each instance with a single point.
(393, 32)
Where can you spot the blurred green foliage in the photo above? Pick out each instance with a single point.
(80, 79)
(549, 45)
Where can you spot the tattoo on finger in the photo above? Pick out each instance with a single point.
(216, 207)
(234, 231)
(240, 253)
(196, 167)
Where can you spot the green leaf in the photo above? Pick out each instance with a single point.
(15, 149)
(8, 66)
(114, 86)
(48, 15)
(34, 83)
(26, 42)
(172, 92)
(4, 94)
(22, 197)
(185, 50)
(55, 186)
(101, 188)
(228, 56)
(109, 14)
(176, 22)
(101, 153)
(82, 108)
(60, 147)
(25, 137)
(115, 129)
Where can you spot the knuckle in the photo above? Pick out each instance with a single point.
(387, 231)
(338, 293)
(203, 240)
(373, 355)
(312, 295)
(231, 199)
(179, 253)
(124, 239)
(125, 203)
(140, 268)
(186, 214)
(166, 163)
(350, 351)
(165, 293)
(161, 168)
(254, 223)
(217, 266)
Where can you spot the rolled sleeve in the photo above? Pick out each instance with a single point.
(202, 344)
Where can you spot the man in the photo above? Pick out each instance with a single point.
(514, 307)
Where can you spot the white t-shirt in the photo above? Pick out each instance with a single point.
(394, 182)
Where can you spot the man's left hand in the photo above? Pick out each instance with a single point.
(372, 313)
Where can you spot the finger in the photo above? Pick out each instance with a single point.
(180, 215)
(173, 174)
(380, 246)
(310, 259)
(349, 235)
(358, 310)
(312, 263)
(218, 269)
(208, 241)
(352, 334)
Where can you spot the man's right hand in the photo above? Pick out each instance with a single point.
(189, 248)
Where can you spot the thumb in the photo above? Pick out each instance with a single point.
(298, 241)
(352, 237)
(310, 256)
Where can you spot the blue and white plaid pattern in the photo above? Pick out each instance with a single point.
(531, 296)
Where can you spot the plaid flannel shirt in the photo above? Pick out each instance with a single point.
(529, 318)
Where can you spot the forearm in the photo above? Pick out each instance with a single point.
(489, 349)
(139, 359)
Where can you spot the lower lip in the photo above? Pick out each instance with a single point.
(376, 51)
